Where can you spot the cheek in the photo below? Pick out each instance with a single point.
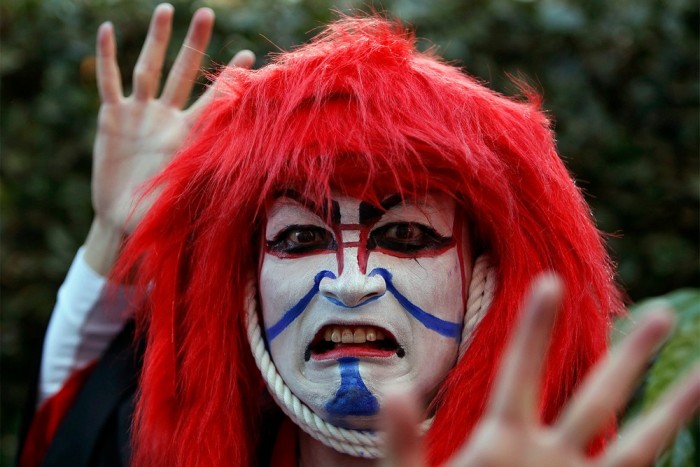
(432, 359)
(284, 281)
(435, 284)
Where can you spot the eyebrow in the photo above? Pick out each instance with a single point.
(321, 211)
(370, 213)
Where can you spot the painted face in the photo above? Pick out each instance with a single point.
(374, 299)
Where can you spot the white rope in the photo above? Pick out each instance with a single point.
(358, 443)
(480, 296)
(354, 442)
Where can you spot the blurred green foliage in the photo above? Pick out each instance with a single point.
(620, 80)
(677, 356)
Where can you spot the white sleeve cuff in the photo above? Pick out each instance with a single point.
(88, 314)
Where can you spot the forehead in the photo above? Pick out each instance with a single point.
(433, 208)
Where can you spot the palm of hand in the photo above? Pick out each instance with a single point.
(138, 135)
(511, 433)
(498, 443)
(135, 139)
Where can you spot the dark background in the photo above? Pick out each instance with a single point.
(619, 78)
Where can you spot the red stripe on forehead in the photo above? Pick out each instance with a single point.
(362, 252)
(361, 245)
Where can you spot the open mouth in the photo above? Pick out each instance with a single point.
(337, 341)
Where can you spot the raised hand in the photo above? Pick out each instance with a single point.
(137, 135)
(511, 434)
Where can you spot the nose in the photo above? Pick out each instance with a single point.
(353, 288)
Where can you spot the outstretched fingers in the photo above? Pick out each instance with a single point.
(643, 440)
(187, 64)
(242, 59)
(516, 392)
(109, 82)
(150, 62)
(609, 385)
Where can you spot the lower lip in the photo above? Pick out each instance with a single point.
(353, 351)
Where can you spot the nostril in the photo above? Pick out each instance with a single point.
(329, 295)
(352, 290)
(350, 300)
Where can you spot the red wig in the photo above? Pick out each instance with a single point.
(358, 110)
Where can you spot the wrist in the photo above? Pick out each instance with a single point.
(102, 246)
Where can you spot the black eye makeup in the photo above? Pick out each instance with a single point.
(300, 239)
(406, 237)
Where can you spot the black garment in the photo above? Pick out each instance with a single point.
(96, 430)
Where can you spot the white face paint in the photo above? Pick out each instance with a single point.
(375, 299)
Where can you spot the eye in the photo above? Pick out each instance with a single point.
(406, 237)
(404, 233)
(298, 239)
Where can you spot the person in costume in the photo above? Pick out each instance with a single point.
(355, 219)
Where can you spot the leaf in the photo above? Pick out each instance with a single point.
(680, 352)
(680, 453)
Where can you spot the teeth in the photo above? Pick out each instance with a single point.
(335, 335)
(352, 335)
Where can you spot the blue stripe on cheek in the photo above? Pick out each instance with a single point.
(432, 322)
(294, 312)
(352, 397)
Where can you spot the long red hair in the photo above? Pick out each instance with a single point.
(360, 110)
